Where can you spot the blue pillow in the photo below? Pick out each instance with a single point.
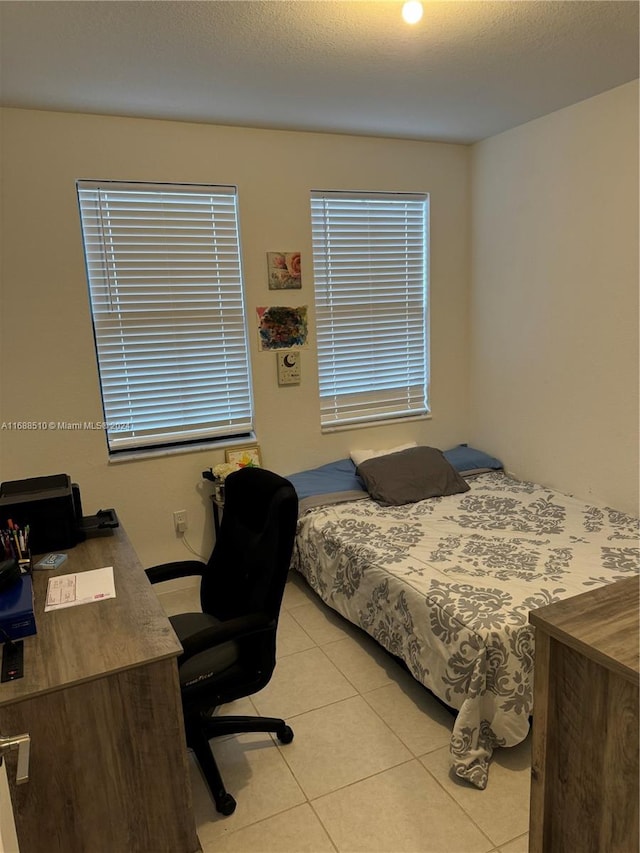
(468, 460)
(337, 476)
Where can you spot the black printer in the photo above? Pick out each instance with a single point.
(52, 508)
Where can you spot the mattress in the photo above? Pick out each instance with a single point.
(446, 584)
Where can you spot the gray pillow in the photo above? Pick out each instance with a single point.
(409, 476)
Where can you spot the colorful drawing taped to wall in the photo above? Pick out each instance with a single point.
(284, 270)
(282, 328)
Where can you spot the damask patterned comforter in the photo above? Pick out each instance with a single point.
(446, 584)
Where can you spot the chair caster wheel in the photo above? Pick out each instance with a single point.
(227, 805)
(285, 735)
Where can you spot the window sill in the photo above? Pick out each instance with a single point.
(373, 424)
(157, 453)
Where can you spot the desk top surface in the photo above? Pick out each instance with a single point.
(89, 641)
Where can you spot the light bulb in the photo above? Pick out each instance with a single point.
(412, 12)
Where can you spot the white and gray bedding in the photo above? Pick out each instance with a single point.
(446, 584)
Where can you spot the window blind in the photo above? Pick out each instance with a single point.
(165, 283)
(370, 272)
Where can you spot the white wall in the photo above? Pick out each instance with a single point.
(48, 368)
(538, 363)
(554, 309)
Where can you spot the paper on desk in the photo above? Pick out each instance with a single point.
(80, 588)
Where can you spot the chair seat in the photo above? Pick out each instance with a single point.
(189, 625)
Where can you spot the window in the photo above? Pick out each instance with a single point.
(370, 270)
(165, 283)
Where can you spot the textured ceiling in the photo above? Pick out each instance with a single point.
(468, 70)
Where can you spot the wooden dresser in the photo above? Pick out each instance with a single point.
(584, 773)
(100, 699)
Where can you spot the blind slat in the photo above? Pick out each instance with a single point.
(370, 270)
(165, 283)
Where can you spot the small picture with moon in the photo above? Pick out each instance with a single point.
(288, 367)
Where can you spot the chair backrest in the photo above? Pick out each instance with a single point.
(248, 568)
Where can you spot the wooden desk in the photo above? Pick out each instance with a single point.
(101, 701)
(584, 767)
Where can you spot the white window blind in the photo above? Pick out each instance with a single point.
(370, 271)
(165, 282)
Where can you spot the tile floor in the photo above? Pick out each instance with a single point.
(368, 768)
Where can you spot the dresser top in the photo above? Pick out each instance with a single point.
(602, 624)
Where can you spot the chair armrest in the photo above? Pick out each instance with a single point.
(213, 634)
(169, 571)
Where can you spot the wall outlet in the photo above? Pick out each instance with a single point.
(180, 520)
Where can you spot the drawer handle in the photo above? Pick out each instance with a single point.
(23, 744)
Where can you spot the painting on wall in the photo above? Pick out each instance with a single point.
(282, 328)
(284, 270)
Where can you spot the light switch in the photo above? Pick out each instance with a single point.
(288, 368)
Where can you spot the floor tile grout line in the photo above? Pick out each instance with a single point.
(279, 655)
(362, 694)
(329, 704)
(395, 734)
(343, 788)
(279, 813)
(275, 813)
(474, 822)
(413, 757)
(326, 610)
(399, 736)
(340, 787)
(391, 729)
(388, 727)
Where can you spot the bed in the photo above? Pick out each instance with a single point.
(446, 583)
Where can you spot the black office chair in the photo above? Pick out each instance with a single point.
(229, 649)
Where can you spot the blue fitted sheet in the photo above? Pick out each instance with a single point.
(337, 476)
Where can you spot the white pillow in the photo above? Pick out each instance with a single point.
(359, 456)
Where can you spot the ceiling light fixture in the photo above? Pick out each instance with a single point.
(412, 12)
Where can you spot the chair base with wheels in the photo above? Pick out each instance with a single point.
(200, 728)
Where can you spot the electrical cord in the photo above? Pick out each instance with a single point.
(186, 544)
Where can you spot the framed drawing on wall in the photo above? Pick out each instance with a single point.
(244, 457)
(284, 270)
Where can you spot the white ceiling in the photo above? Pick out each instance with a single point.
(468, 70)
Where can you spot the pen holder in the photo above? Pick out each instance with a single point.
(26, 563)
(15, 544)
